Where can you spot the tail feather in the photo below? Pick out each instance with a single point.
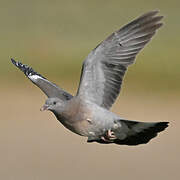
(141, 133)
(133, 133)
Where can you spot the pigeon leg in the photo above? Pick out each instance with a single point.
(110, 135)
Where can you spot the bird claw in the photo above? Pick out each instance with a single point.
(109, 136)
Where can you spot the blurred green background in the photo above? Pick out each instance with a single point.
(54, 37)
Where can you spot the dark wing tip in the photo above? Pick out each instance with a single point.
(13, 61)
(27, 70)
(150, 13)
(152, 17)
(22, 67)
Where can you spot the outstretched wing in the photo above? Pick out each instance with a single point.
(49, 88)
(104, 68)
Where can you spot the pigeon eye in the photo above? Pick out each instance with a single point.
(54, 103)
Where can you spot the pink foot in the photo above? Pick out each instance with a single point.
(109, 137)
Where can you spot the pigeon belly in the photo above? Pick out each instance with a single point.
(77, 117)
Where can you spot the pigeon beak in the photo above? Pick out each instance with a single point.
(44, 107)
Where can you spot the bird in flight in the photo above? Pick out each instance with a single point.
(88, 112)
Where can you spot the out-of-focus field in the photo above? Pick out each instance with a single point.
(34, 145)
(54, 37)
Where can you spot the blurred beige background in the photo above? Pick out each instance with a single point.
(54, 37)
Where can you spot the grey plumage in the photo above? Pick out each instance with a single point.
(49, 88)
(87, 113)
(104, 68)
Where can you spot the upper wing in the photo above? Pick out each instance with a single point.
(104, 68)
(49, 88)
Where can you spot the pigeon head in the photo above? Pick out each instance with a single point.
(53, 104)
